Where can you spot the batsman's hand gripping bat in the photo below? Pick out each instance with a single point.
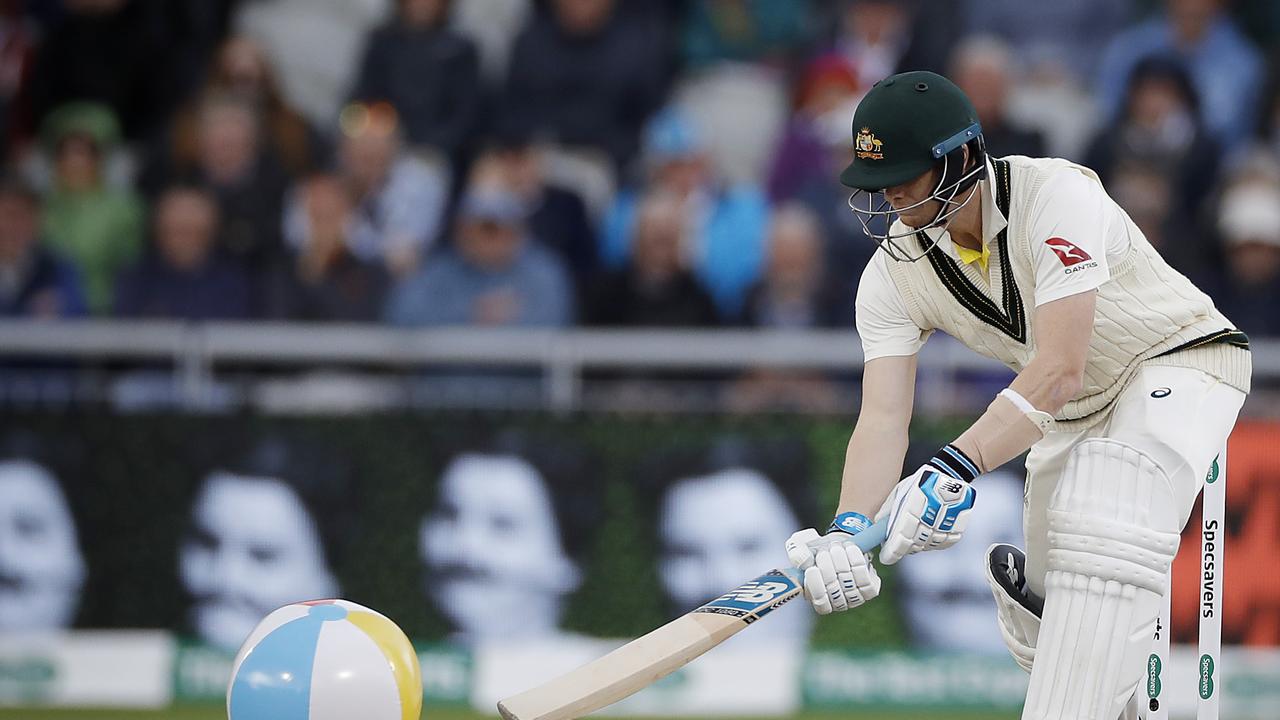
(647, 659)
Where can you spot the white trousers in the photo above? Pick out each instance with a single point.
(1177, 418)
(1183, 431)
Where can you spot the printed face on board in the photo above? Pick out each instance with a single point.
(720, 530)
(252, 547)
(41, 569)
(495, 565)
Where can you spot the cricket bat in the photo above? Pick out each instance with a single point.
(647, 659)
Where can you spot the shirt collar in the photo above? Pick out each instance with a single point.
(993, 221)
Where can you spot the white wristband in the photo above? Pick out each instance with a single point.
(1039, 418)
(1018, 401)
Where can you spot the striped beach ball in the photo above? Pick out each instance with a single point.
(325, 660)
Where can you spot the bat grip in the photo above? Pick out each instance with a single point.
(870, 539)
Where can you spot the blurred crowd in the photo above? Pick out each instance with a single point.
(582, 162)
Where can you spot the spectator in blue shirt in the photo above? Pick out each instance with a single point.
(726, 222)
(185, 278)
(494, 275)
(556, 216)
(400, 197)
(34, 282)
(1225, 67)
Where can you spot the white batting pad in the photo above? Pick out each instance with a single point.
(1113, 532)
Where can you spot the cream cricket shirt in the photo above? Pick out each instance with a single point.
(1049, 231)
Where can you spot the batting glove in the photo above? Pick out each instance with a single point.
(928, 510)
(838, 575)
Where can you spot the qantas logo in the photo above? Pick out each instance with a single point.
(1069, 254)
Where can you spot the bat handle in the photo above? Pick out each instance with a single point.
(870, 539)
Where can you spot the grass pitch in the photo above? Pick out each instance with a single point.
(216, 712)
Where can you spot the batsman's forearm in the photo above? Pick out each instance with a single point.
(1049, 383)
(872, 466)
(1014, 422)
(1000, 435)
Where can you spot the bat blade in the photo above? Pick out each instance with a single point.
(649, 658)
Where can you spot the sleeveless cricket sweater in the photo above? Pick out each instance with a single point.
(1147, 312)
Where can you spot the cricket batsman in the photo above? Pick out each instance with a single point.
(1128, 383)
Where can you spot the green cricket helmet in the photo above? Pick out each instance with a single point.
(907, 125)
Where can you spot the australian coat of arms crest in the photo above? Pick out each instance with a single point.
(867, 146)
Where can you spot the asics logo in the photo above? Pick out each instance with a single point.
(1068, 253)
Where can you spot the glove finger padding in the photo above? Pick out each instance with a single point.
(864, 575)
(941, 540)
(838, 575)
(798, 550)
(1017, 610)
(848, 575)
(844, 576)
(895, 548)
(860, 583)
(816, 590)
(823, 560)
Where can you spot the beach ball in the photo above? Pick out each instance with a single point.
(325, 660)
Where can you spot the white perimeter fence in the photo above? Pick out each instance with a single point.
(197, 352)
